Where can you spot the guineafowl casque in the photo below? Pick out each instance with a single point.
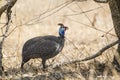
(44, 47)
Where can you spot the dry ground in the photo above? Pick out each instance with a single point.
(90, 28)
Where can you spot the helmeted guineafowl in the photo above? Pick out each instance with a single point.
(44, 47)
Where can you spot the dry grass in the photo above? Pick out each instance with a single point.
(88, 32)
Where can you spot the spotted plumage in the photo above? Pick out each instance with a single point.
(43, 47)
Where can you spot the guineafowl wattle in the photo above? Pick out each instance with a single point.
(44, 47)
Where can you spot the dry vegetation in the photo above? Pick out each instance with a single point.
(90, 28)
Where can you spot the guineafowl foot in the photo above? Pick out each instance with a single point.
(116, 64)
(23, 70)
(43, 63)
(45, 69)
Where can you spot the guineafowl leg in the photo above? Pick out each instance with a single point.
(23, 62)
(22, 65)
(43, 63)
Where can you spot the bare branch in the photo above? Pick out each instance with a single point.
(102, 1)
(10, 4)
(101, 51)
(7, 7)
(79, 0)
(92, 56)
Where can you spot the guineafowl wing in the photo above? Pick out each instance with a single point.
(44, 49)
(30, 43)
(48, 48)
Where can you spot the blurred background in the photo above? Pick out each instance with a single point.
(90, 29)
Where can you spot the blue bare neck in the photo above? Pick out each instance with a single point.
(62, 32)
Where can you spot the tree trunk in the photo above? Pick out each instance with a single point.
(7, 7)
(115, 11)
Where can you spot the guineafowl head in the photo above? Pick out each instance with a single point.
(62, 30)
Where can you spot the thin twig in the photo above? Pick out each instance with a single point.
(86, 25)
(58, 8)
(52, 13)
(85, 11)
(102, 1)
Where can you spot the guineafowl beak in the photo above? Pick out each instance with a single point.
(66, 28)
